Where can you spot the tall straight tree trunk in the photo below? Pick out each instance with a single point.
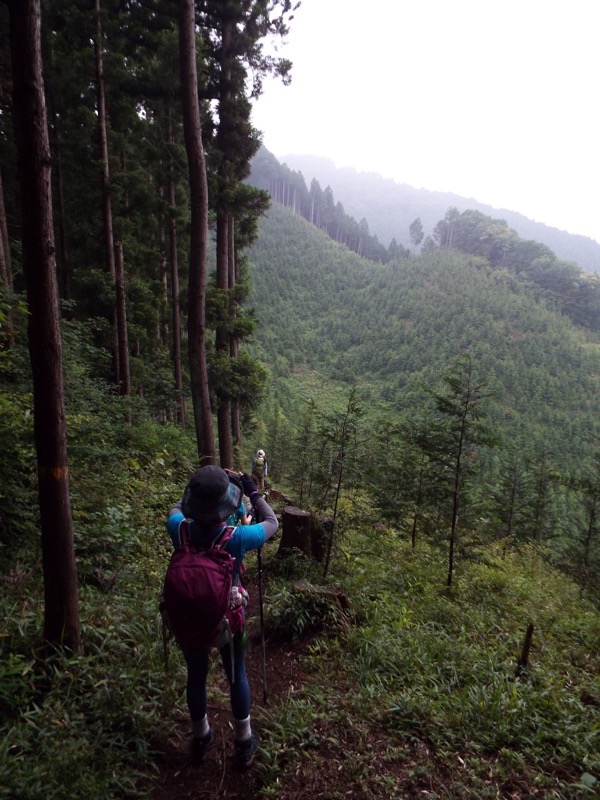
(64, 279)
(176, 315)
(121, 310)
(65, 282)
(454, 521)
(106, 202)
(61, 614)
(236, 425)
(225, 440)
(162, 324)
(458, 474)
(224, 225)
(198, 235)
(222, 340)
(5, 265)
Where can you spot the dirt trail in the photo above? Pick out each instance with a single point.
(216, 778)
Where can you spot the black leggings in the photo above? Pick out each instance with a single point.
(239, 690)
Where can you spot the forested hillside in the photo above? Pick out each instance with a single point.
(431, 626)
(395, 326)
(396, 329)
(390, 207)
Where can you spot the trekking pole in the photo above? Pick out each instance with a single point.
(165, 641)
(262, 613)
(262, 626)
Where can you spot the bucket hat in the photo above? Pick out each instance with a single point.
(210, 496)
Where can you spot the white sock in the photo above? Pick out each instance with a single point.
(242, 728)
(201, 727)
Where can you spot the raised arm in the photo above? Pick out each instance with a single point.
(265, 514)
(263, 510)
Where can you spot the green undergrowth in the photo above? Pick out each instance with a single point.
(87, 725)
(408, 689)
(92, 725)
(428, 675)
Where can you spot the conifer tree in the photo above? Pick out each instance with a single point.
(588, 541)
(61, 617)
(403, 477)
(114, 254)
(233, 41)
(461, 428)
(508, 499)
(340, 436)
(198, 234)
(416, 232)
(538, 522)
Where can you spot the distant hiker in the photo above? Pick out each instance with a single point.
(259, 469)
(210, 498)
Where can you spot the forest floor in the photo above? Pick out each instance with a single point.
(342, 766)
(388, 772)
(341, 749)
(217, 777)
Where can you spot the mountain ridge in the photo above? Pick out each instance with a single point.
(399, 325)
(389, 207)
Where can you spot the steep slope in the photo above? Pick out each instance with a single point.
(394, 327)
(390, 207)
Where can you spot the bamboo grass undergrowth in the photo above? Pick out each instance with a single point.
(435, 671)
(417, 678)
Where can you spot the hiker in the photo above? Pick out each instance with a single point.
(210, 498)
(259, 469)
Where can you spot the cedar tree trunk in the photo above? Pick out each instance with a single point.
(61, 618)
(198, 235)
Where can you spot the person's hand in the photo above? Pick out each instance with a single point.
(248, 485)
(234, 477)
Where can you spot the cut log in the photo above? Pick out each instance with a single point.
(302, 531)
(331, 593)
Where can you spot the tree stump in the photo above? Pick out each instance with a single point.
(300, 530)
(523, 663)
(332, 594)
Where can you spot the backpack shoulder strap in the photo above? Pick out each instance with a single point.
(220, 543)
(224, 537)
(185, 536)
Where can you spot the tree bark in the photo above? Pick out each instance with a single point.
(106, 201)
(222, 341)
(224, 223)
(198, 235)
(121, 308)
(64, 278)
(301, 531)
(234, 344)
(61, 615)
(5, 266)
(175, 310)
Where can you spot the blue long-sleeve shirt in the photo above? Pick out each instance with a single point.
(243, 539)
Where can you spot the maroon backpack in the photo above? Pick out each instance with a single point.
(197, 593)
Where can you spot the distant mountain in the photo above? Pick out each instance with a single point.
(394, 327)
(390, 207)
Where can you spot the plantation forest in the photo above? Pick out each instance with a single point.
(171, 295)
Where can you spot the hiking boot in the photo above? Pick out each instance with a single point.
(201, 745)
(245, 752)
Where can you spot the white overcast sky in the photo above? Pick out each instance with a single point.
(496, 100)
